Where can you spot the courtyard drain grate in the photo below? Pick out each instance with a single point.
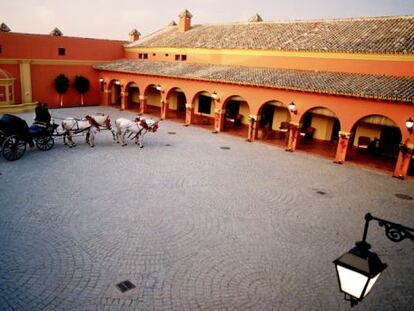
(172, 133)
(225, 148)
(125, 286)
(404, 196)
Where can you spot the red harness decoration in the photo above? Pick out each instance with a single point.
(93, 122)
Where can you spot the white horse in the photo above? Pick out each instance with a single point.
(90, 124)
(136, 128)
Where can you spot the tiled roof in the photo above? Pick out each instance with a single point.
(359, 35)
(347, 84)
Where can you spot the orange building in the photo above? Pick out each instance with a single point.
(343, 88)
(32, 62)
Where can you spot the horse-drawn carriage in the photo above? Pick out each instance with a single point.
(15, 134)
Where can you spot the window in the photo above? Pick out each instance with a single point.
(0, 49)
(153, 54)
(204, 104)
(61, 51)
(140, 55)
(166, 55)
(183, 57)
(145, 55)
(177, 57)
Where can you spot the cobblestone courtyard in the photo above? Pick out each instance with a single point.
(192, 225)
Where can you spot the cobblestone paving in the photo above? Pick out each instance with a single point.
(193, 226)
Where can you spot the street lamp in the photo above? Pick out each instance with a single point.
(409, 124)
(359, 269)
(292, 108)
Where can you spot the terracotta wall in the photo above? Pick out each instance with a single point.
(43, 88)
(33, 46)
(41, 51)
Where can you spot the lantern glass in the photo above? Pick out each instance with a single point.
(371, 283)
(351, 282)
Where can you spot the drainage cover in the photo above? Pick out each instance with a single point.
(172, 133)
(225, 148)
(321, 192)
(125, 286)
(404, 196)
(167, 145)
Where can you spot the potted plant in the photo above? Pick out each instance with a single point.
(81, 85)
(61, 85)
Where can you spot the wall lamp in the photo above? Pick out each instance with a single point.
(102, 83)
(214, 95)
(158, 87)
(359, 269)
(117, 82)
(292, 108)
(409, 124)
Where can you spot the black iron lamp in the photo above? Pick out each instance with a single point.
(214, 95)
(409, 124)
(292, 108)
(359, 269)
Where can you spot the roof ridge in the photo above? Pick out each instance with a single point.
(316, 20)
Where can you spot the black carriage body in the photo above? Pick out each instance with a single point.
(13, 125)
(15, 134)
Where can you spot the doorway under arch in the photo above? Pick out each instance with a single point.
(375, 142)
(114, 94)
(132, 101)
(236, 116)
(273, 123)
(176, 100)
(319, 132)
(203, 108)
(153, 100)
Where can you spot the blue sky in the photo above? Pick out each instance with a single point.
(114, 19)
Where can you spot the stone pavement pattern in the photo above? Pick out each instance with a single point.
(193, 226)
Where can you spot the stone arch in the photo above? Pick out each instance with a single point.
(115, 92)
(378, 130)
(236, 112)
(273, 121)
(176, 101)
(320, 123)
(133, 92)
(153, 99)
(202, 105)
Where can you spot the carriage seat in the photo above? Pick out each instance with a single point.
(37, 130)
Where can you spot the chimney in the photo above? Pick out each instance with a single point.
(134, 35)
(4, 28)
(255, 19)
(184, 23)
(56, 32)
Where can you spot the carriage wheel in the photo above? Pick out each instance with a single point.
(45, 143)
(13, 148)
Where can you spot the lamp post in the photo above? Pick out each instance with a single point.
(359, 269)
